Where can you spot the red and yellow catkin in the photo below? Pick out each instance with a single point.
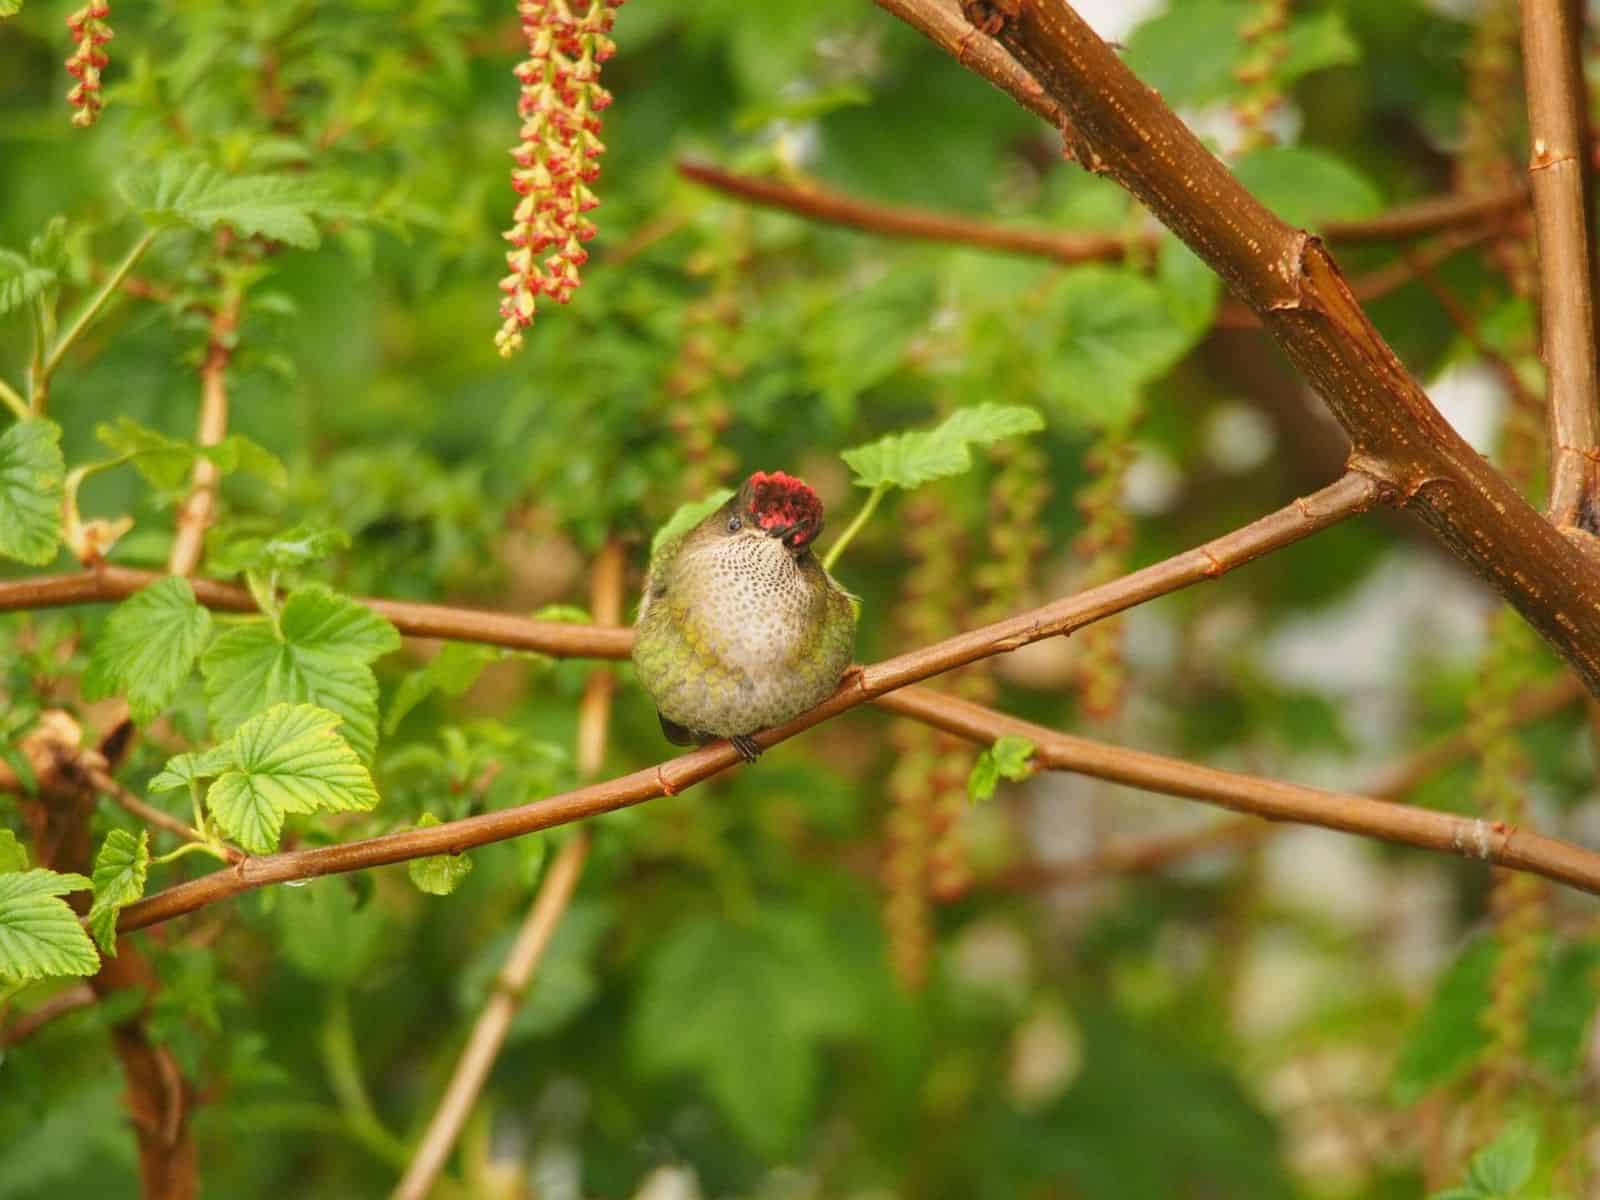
(91, 30)
(557, 157)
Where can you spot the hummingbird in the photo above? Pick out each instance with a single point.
(740, 626)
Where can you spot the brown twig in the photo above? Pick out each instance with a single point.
(1557, 107)
(1351, 494)
(195, 513)
(818, 203)
(149, 814)
(103, 583)
(555, 892)
(68, 1000)
(1121, 128)
(1160, 851)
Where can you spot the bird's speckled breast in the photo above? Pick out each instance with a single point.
(740, 636)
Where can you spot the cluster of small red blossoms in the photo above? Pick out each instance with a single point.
(558, 156)
(91, 32)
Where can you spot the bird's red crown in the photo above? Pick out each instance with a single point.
(777, 501)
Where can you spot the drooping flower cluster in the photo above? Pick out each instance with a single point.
(558, 155)
(91, 32)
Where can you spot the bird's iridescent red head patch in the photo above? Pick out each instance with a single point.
(782, 506)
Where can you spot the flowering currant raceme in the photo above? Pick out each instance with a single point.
(91, 31)
(558, 155)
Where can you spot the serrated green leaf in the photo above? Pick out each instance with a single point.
(743, 1007)
(39, 934)
(120, 870)
(1114, 333)
(318, 654)
(48, 249)
(1505, 1165)
(1564, 1008)
(438, 874)
(294, 547)
(31, 474)
(1306, 186)
(184, 191)
(166, 462)
(183, 769)
(21, 280)
(289, 759)
(148, 647)
(1449, 1033)
(687, 517)
(1191, 289)
(13, 854)
(1009, 758)
(452, 671)
(908, 460)
(1191, 53)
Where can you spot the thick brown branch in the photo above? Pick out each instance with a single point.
(1122, 129)
(1557, 103)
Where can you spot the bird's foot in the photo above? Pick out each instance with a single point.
(749, 749)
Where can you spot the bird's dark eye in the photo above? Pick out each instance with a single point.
(734, 524)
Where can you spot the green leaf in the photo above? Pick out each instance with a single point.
(13, 854)
(743, 1007)
(10, 8)
(31, 473)
(183, 769)
(1190, 288)
(289, 759)
(1563, 1009)
(21, 280)
(39, 934)
(166, 462)
(1449, 1034)
(687, 517)
(565, 983)
(328, 935)
(452, 671)
(437, 874)
(120, 870)
(1009, 758)
(1506, 1164)
(148, 647)
(1305, 186)
(295, 547)
(1114, 333)
(908, 460)
(1191, 52)
(185, 191)
(318, 654)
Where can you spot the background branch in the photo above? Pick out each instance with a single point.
(195, 513)
(555, 892)
(1557, 130)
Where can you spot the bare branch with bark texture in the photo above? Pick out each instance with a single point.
(1557, 130)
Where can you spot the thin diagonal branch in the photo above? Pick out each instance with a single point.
(68, 1000)
(1557, 103)
(816, 202)
(195, 513)
(555, 892)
